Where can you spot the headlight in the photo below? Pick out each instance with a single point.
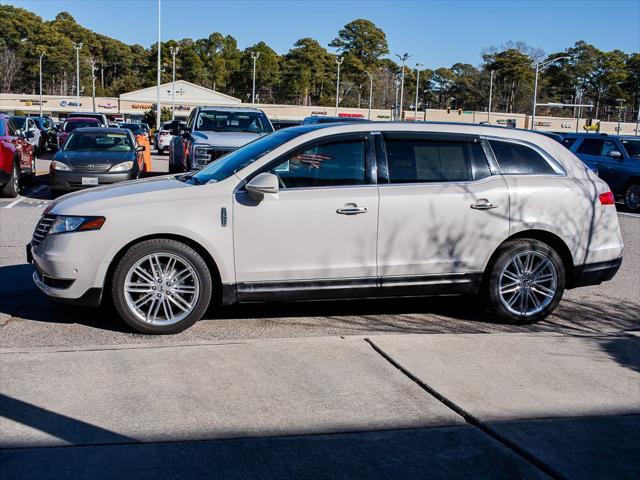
(56, 165)
(201, 151)
(66, 224)
(122, 167)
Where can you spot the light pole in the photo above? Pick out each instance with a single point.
(415, 115)
(540, 66)
(403, 58)
(174, 52)
(620, 101)
(370, 92)
(158, 108)
(40, 64)
(77, 46)
(339, 61)
(254, 56)
(490, 97)
(93, 82)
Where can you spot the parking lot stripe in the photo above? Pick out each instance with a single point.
(15, 202)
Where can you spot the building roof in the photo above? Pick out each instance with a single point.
(186, 92)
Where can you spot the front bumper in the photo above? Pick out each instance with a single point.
(595, 273)
(61, 180)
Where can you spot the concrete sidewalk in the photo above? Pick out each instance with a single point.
(443, 406)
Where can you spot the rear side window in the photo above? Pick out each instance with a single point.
(591, 146)
(432, 160)
(516, 159)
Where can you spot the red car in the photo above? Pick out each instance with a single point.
(71, 124)
(17, 160)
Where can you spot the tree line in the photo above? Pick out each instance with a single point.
(306, 74)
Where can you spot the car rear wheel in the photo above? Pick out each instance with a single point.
(12, 187)
(632, 197)
(161, 286)
(525, 282)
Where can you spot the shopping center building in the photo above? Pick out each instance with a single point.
(132, 105)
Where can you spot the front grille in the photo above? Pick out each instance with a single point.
(92, 167)
(214, 153)
(42, 229)
(217, 153)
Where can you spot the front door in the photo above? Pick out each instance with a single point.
(442, 214)
(316, 237)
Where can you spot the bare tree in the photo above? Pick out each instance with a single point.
(9, 65)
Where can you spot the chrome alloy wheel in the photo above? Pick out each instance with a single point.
(161, 288)
(528, 283)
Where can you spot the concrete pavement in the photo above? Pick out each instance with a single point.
(443, 406)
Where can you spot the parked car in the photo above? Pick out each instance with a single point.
(95, 156)
(17, 160)
(339, 211)
(48, 131)
(29, 129)
(317, 119)
(142, 138)
(164, 135)
(212, 132)
(71, 124)
(616, 159)
(280, 124)
(101, 117)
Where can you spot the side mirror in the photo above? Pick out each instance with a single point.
(261, 184)
(184, 133)
(30, 134)
(140, 148)
(615, 154)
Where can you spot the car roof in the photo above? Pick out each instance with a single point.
(101, 130)
(80, 119)
(230, 109)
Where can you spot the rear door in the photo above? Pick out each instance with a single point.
(443, 211)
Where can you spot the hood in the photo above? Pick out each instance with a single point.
(81, 158)
(225, 139)
(135, 192)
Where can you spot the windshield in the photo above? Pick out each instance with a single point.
(632, 147)
(99, 141)
(69, 126)
(134, 127)
(227, 121)
(18, 122)
(237, 160)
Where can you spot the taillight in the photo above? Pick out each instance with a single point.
(607, 199)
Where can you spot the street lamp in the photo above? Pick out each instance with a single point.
(174, 52)
(540, 66)
(415, 115)
(620, 101)
(370, 92)
(93, 82)
(40, 64)
(159, 77)
(77, 46)
(254, 56)
(490, 96)
(402, 58)
(339, 61)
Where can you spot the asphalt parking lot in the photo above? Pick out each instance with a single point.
(29, 319)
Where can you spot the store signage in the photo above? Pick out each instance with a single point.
(70, 103)
(383, 116)
(28, 103)
(351, 115)
(318, 113)
(108, 106)
(566, 125)
(141, 106)
(543, 124)
(182, 107)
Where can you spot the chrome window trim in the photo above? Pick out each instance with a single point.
(553, 163)
(448, 183)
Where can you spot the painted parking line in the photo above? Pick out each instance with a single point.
(15, 202)
(21, 198)
(626, 214)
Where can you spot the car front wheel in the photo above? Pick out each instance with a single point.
(161, 286)
(12, 187)
(525, 282)
(632, 197)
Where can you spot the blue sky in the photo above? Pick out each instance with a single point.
(435, 33)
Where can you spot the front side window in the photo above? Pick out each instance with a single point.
(517, 159)
(18, 122)
(632, 147)
(591, 146)
(103, 142)
(608, 147)
(434, 160)
(228, 121)
(326, 165)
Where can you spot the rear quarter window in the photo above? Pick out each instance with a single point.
(517, 159)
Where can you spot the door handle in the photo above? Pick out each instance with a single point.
(352, 209)
(483, 204)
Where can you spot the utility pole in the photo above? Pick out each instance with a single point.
(93, 82)
(254, 56)
(77, 46)
(158, 108)
(102, 75)
(620, 101)
(40, 63)
(415, 114)
(403, 58)
(339, 61)
(370, 92)
(540, 66)
(174, 52)
(490, 97)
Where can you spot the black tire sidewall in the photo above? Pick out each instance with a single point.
(503, 256)
(637, 209)
(8, 190)
(135, 253)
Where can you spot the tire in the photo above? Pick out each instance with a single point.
(632, 197)
(12, 187)
(30, 178)
(532, 297)
(172, 168)
(195, 287)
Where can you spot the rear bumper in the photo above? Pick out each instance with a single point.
(596, 273)
(73, 180)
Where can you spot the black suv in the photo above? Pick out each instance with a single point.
(616, 159)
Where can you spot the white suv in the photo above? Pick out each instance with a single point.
(339, 211)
